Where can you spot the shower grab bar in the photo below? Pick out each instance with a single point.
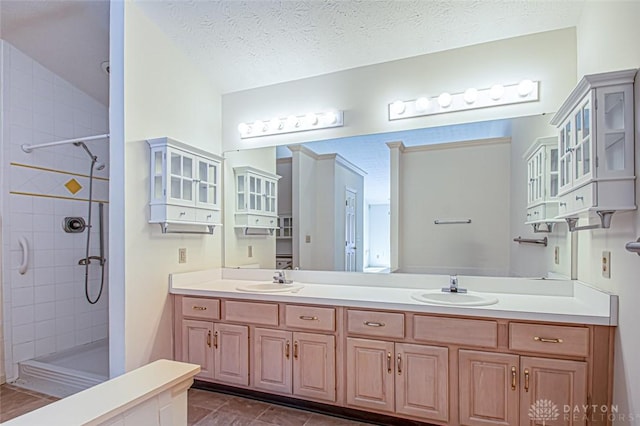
(542, 242)
(450, 221)
(29, 148)
(22, 268)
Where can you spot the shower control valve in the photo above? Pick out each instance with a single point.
(74, 225)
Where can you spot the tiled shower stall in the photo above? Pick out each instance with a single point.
(44, 310)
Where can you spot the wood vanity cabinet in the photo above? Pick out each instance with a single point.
(440, 369)
(398, 378)
(501, 389)
(220, 349)
(302, 364)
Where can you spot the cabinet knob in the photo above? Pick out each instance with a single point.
(563, 204)
(579, 198)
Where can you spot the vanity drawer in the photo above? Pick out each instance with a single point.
(380, 324)
(456, 331)
(193, 307)
(251, 312)
(256, 220)
(549, 339)
(584, 197)
(207, 216)
(310, 317)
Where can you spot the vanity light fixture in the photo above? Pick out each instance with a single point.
(472, 98)
(292, 123)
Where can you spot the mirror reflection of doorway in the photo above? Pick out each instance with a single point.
(350, 230)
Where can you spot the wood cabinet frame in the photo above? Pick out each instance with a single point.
(598, 361)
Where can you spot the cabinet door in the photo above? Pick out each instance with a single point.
(207, 183)
(565, 153)
(314, 366)
(582, 149)
(272, 360)
(370, 379)
(196, 346)
(614, 128)
(422, 381)
(488, 388)
(547, 387)
(231, 344)
(181, 177)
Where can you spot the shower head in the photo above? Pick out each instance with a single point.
(99, 166)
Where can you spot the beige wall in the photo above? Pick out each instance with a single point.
(364, 93)
(607, 40)
(164, 95)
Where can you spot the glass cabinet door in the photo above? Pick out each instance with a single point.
(553, 172)
(181, 176)
(255, 193)
(565, 155)
(582, 149)
(241, 204)
(207, 182)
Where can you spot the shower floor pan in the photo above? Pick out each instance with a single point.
(64, 373)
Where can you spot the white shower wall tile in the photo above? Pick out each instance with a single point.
(40, 107)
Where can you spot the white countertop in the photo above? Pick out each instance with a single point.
(518, 298)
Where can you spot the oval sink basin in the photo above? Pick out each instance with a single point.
(437, 297)
(270, 288)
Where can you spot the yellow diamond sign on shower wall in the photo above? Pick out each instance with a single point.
(73, 186)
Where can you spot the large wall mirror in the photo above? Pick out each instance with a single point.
(443, 200)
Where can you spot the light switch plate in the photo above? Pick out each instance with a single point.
(556, 255)
(182, 255)
(606, 264)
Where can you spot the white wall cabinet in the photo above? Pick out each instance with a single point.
(542, 182)
(256, 198)
(596, 146)
(185, 184)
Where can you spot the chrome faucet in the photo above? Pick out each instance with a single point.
(453, 286)
(280, 278)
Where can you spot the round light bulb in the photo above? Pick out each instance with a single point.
(331, 117)
(470, 95)
(311, 119)
(243, 128)
(422, 104)
(398, 107)
(275, 123)
(292, 121)
(444, 100)
(525, 87)
(496, 92)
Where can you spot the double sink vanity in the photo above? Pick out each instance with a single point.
(397, 345)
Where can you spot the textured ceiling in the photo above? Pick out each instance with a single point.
(247, 44)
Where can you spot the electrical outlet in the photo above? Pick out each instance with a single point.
(250, 251)
(606, 264)
(307, 238)
(182, 255)
(556, 255)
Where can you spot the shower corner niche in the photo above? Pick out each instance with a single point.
(185, 187)
(596, 149)
(256, 201)
(542, 184)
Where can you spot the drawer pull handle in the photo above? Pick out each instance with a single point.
(526, 380)
(215, 340)
(389, 362)
(199, 308)
(563, 204)
(399, 364)
(209, 338)
(373, 324)
(579, 198)
(546, 340)
(308, 318)
(295, 350)
(513, 377)
(287, 348)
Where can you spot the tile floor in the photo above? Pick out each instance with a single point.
(205, 409)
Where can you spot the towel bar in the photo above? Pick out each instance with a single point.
(521, 240)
